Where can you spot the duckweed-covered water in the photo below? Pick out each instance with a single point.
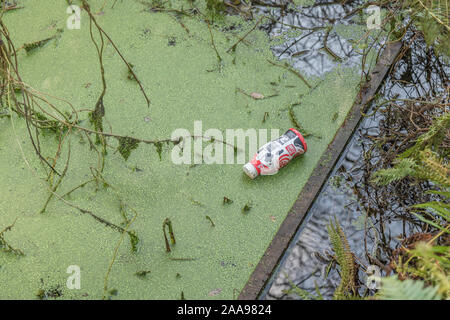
(181, 74)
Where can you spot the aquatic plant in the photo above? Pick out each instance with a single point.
(142, 273)
(5, 246)
(44, 114)
(303, 294)
(348, 268)
(431, 17)
(107, 293)
(345, 259)
(428, 262)
(66, 124)
(215, 9)
(421, 162)
(394, 289)
(411, 153)
(420, 261)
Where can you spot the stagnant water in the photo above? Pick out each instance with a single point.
(306, 51)
(300, 264)
(418, 74)
(182, 201)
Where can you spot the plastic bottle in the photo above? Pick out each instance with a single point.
(275, 154)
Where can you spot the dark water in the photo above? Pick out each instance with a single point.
(300, 264)
(306, 51)
(345, 196)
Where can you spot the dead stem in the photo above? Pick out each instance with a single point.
(77, 187)
(219, 58)
(168, 223)
(182, 259)
(10, 6)
(290, 69)
(233, 47)
(116, 250)
(86, 6)
(8, 68)
(326, 48)
(178, 19)
(96, 116)
(4, 245)
(61, 177)
(210, 220)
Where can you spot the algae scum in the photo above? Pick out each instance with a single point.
(222, 221)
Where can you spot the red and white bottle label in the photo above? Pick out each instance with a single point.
(274, 155)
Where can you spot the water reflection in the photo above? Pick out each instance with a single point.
(306, 53)
(347, 195)
(317, 48)
(301, 265)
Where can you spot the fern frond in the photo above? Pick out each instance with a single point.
(303, 294)
(434, 168)
(430, 263)
(402, 168)
(437, 132)
(428, 167)
(430, 266)
(344, 258)
(437, 207)
(394, 289)
(435, 12)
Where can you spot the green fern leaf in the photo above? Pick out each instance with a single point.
(404, 167)
(394, 289)
(344, 258)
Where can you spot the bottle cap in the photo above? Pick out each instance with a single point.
(250, 170)
(305, 147)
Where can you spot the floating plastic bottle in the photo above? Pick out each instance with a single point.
(275, 154)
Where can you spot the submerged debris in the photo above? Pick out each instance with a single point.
(29, 47)
(142, 273)
(227, 200)
(5, 246)
(10, 6)
(167, 223)
(130, 75)
(256, 95)
(210, 220)
(215, 292)
(53, 292)
(247, 207)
